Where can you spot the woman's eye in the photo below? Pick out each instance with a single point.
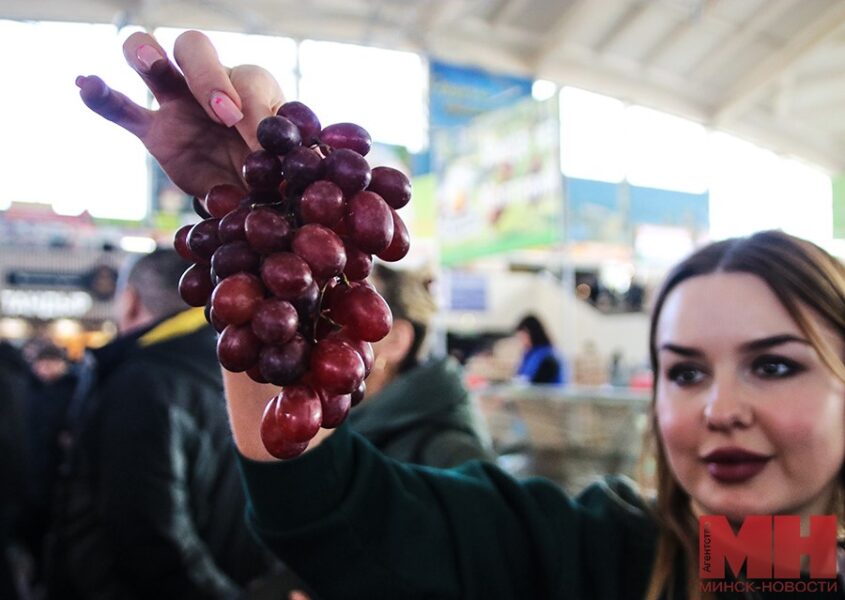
(685, 375)
(774, 367)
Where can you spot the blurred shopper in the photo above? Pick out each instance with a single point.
(417, 408)
(14, 383)
(51, 386)
(150, 503)
(48, 361)
(541, 363)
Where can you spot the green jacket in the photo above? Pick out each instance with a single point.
(424, 416)
(356, 524)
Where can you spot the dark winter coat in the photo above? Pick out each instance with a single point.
(15, 378)
(151, 504)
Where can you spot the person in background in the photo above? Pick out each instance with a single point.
(541, 363)
(51, 387)
(14, 385)
(417, 408)
(149, 501)
(48, 361)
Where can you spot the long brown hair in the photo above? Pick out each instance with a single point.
(801, 275)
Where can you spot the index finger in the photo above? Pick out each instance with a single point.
(113, 105)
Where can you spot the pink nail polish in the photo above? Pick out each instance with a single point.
(225, 109)
(148, 55)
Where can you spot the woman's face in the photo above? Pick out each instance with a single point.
(751, 419)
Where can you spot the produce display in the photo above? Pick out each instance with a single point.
(281, 269)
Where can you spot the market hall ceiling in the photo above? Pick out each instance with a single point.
(772, 71)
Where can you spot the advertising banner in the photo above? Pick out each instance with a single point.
(498, 182)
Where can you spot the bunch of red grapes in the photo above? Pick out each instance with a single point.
(282, 269)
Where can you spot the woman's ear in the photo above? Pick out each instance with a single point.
(396, 344)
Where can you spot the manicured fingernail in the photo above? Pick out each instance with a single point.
(225, 109)
(148, 55)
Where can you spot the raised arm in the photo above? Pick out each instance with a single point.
(246, 400)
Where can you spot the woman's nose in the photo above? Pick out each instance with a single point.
(727, 406)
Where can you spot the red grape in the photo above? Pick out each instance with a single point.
(308, 302)
(195, 285)
(180, 243)
(203, 239)
(298, 413)
(333, 294)
(336, 366)
(286, 275)
(321, 248)
(238, 348)
(348, 169)
(364, 349)
(236, 298)
(364, 312)
(231, 227)
(232, 258)
(278, 135)
(285, 364)
(262, 170)
(218, 324)
(392, 185)
(359, 264)
(275, 321)
(335, 408)
(369, 221)
(273, 437)
(267, 230)
(322, 202)
(223, 199)
(401, 242)
(301, 167)
(305, 120)
(347, 135)
(359, 394)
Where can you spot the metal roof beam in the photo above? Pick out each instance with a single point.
(740, 38)
(753, 84)
(633, 12)
(557, 36)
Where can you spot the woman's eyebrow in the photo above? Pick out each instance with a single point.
(682, 350)
(752, 346)
(773, 340)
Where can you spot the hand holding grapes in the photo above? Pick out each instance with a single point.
(280, 267)
(195, 147)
